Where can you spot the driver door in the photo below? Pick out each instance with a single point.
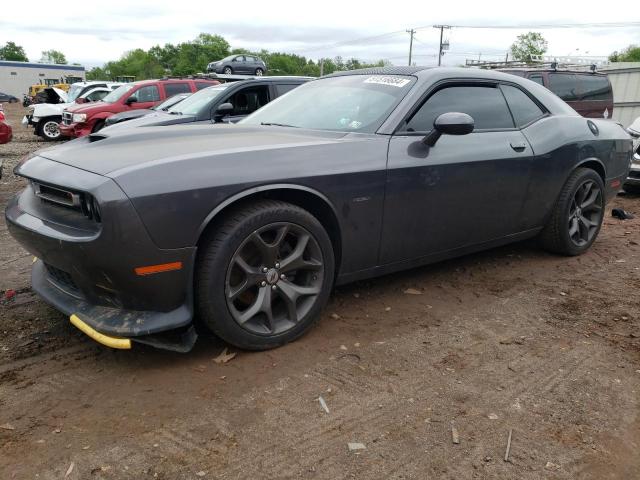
(463, 191)
(146, 96)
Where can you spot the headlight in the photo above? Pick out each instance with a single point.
(79, 117)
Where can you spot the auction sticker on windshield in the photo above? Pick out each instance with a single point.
(387, 80)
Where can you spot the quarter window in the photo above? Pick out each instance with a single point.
(172, 89)
(485, 104)
(523, 109)
(564, 85)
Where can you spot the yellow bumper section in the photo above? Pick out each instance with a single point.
(113, 342)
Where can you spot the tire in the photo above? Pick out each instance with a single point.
(13, 100)
(227, 70)
(220, 298)
(48, 129)
(98, 126)
(571, 212)
(259, 72)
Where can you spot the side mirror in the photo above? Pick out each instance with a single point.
(222, 111)
(452, 123)
(131, 99)
(81, 100)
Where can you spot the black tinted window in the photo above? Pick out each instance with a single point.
(201, 85)
(537, 79)
(485, 104)
(595, 87)
(282, 89)
(564, 85)
(172, 89)
(148, 94)
(524, 109)
(248, 100)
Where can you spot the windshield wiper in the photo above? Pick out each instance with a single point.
(271, 124)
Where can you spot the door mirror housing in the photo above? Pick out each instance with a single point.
(452, 123)
(81, 100)
(222, 111)
(131, 99)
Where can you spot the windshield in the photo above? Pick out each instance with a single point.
(74, 91)
(171, 101)
(117, 94)
(352, 103)
(196, 102)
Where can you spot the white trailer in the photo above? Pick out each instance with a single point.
(625, 80)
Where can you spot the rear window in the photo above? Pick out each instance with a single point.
(595, 87)
(564, 85)
(172, 89)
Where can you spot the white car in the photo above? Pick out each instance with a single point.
(45, 117)
(633, 180)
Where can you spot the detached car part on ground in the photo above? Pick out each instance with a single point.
(46, 117)
(632, 183)
(357, 174)
(81, 120)
(228, 102)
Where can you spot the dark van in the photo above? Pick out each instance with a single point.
(588, 93)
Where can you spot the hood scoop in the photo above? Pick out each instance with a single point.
(94, 137)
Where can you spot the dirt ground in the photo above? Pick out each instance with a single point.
(512, 339)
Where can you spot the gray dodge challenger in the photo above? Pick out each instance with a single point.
(140, 234)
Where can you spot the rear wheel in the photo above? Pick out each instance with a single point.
(49, 129)
(577, 216)
(227, 70)
(264, 275)
(259, 72)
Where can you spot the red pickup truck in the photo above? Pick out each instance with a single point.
(80, 120)
(5, 132)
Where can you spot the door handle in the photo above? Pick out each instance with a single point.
(519, 146)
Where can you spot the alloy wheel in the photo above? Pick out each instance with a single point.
(274, 278)
(585, 213)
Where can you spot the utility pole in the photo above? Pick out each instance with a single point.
(411, 32)
(440, 53)
(322, 66)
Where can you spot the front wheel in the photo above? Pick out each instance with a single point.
(49, 129)
(577, 216)
(98, 126)
(264, 275)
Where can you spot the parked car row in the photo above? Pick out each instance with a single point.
(249, 226)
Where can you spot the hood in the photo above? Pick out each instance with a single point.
(154, 118)
(62, 94)
(112, 153)
(94, 107)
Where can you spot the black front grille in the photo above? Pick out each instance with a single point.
(634, 174)
(62, 280)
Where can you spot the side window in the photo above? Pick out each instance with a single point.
(564, 85)
(239, 59)
(485, 104)
(172, 89)
(95, 96)
(524, 109)
(148, 94)
(537, 79)
(248, 100)
(201, 85)
(595, 87)
(281, 89)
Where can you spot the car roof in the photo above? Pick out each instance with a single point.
(548, 70)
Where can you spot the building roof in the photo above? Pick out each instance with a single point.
(11, 63)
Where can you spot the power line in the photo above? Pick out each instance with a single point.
(543, 25)
(354, 41)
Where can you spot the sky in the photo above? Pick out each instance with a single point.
(326, 28)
